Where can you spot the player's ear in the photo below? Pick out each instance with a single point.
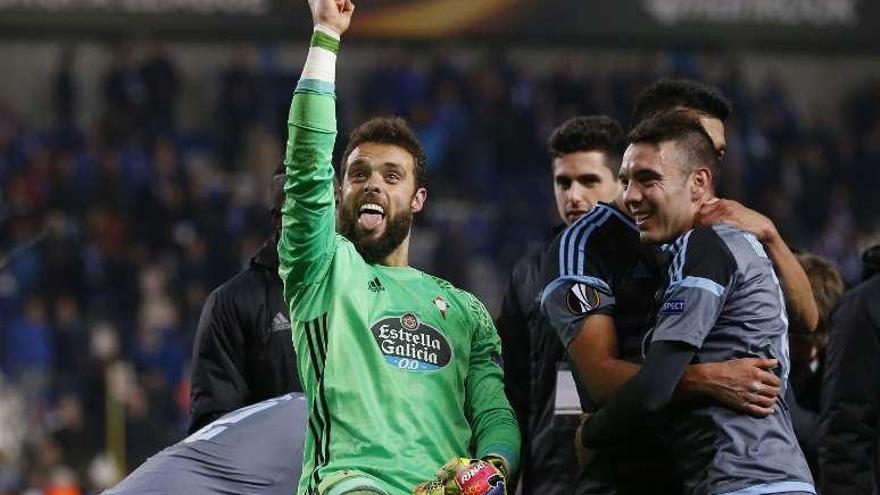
(701, 184)
(418, 199)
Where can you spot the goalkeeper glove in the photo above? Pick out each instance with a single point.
(463, 476)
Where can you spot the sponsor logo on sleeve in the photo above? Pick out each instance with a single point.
(581, 299)
(408, 344)
(673, 307)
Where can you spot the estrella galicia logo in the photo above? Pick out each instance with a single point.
(409, 344)
(673, 307)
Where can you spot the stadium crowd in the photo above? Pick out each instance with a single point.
(114, 232)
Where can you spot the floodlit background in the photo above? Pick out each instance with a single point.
(137, 139)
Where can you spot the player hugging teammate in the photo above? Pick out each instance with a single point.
(719, 300)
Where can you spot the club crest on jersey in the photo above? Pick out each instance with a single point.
(409, 344)
(441, 305)
(409, 321)
(673, 307)
(581, 299)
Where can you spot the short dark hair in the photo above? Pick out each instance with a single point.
(668, 94)
(589, 133)
(681, 128)
(389, 130)
(871, 262)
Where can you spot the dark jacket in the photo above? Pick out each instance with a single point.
(532, 355)
(243, 351)
(849, 450)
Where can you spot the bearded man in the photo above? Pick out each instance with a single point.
(401, 370)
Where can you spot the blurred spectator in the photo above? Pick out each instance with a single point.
(74, 435)
(157, 351)
(849, 460)
(30, 352)
(12, 436)
(65, 90)
(808, 348)
(71, 342)
(238, 106)
(124, 96)
(161, 84)
(62, 481)
(145, 431)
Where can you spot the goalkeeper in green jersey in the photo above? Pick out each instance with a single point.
(401, 370)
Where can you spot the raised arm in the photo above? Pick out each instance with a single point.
(308, 229)
(795, 284)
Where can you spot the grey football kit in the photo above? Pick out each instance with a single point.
(722, 301)
(253, 450)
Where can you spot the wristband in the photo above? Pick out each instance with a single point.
(323, 40)
(321, 62)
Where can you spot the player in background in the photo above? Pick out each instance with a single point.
(242, 352)
(402, 371)
(721, 300)
(585, 154)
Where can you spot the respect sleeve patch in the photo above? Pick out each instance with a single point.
(673, 306)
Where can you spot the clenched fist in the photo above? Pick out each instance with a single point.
(332, 14)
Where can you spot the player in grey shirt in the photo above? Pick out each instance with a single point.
(253, 450)
(721, 301)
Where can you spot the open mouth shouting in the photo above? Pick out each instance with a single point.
(371, 216)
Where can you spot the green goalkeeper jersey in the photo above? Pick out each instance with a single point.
(402, 370)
